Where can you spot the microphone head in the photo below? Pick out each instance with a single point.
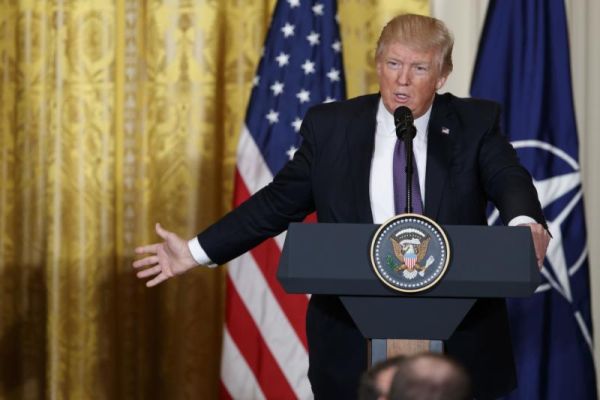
(403, 119)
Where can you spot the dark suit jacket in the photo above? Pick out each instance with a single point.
(330, 173)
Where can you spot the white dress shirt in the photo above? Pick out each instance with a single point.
(381, 187)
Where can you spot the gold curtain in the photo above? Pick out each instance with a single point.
(115, 115)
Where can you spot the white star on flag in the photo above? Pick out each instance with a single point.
(337, 46)
(288, 30)
(283, 59)
(303, 96)
(550, 190)
(333, 75)
(296, 124)
(256, 80)
(329, 100)
(292, 150)
(277, 88)
(308, 67)
(313, 38)
(318, 9)
(273, 117)
(294, 3)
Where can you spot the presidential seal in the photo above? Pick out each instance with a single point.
(410, 253)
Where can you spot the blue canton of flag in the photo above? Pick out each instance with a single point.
(523, 63)
(300, 67)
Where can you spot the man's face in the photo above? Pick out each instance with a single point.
(408, 77)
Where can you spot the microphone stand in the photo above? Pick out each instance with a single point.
(409, 134)
(406, 131)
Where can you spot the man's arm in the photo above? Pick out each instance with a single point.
(289, 198)
(510, 187)
(265, 214)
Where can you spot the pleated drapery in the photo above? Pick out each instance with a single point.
(114, 115)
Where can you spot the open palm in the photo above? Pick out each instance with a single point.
(165, 260)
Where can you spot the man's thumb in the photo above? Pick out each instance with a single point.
(161, 232)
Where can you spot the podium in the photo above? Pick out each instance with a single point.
(333, 259)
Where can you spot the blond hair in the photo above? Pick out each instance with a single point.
(419, 32)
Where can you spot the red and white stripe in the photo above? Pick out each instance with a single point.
(264, 346)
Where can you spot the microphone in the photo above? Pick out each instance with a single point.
(406, 131)
(404, 121)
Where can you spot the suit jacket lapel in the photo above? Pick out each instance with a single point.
(360, 136)
(442, 126)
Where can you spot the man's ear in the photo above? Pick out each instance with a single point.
(440, 82)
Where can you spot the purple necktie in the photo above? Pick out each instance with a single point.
(400, 181)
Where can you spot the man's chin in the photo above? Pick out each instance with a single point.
(404, 104)
(393, 106)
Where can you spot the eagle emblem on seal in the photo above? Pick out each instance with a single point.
(410, 253)
(410, 248)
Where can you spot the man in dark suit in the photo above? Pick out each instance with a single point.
(344, 172)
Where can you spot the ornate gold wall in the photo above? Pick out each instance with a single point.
(115, 115)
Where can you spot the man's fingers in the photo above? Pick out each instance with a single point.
(150, 260)
(540, 259)
(541, 239)
(149, 272)
(157, 279)
(161, 258)
(540, 263)
(149, 248)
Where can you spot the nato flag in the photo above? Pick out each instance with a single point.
(523, 63)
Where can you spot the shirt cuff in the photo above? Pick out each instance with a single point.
(521, 220)
(199, 254)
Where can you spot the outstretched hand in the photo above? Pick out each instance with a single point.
(167, 259)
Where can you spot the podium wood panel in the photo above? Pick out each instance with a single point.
(383, 349)
(397, 347)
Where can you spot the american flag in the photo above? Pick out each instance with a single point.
(264, 342)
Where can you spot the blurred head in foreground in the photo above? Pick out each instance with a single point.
(375, 382)
(430, 377)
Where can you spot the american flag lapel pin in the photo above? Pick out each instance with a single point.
(445, 131)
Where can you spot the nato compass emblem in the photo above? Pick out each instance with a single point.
(410, 253)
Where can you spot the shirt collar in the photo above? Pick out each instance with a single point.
(385, 120)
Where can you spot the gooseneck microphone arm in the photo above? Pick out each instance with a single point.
(406, 131)
(408, 144)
